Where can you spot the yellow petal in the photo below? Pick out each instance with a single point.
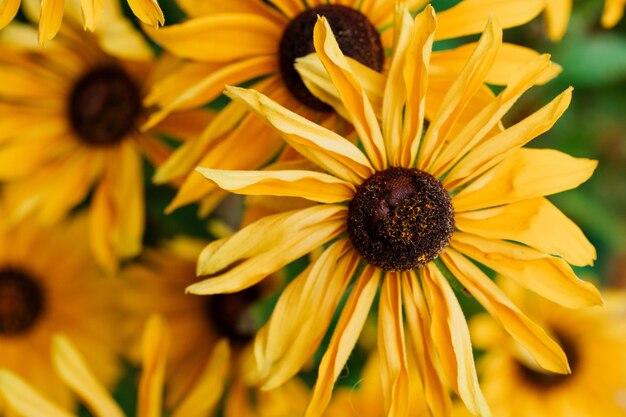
(148, 11)
(498, 147)
(546, 351)
(525, 173)
(536, 223)
(309, 302)
(470, 16)
(321, 146)
(391, 347)
(289, 7)
(8, 10)
(460, 93)
(50, 21)
(557, 15)
(314, 186)
(194, 8)
(613, 12)
(153, 359)
(482, 124)
(92, 9)
(418, 320)
(351, 92)
(548, 276)
(510, 60)
(266, 246)
(207, 391)
(223, 37)
(344, 338)
(73, 370)
(24, 400)
(451, 337)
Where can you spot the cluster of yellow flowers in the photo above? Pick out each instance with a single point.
(381, 184)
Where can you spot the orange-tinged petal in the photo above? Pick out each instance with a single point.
(309, 301)
(50, 21)
(344, 338)
(153, 357)
(73, 370)
(22, 399)
(470, 16)
(451, 337)
(220, 37)
(290, 7)
(498, 147)
(526, 173)
(460, 93)
(8, 10)
(148, 11)
(548, 276)
(351, 92)
(557, 15)
(314, 186)
(546, 351)
(321, 146)
(391, 347)
(536, 223)
(266, 246)
(194, 8)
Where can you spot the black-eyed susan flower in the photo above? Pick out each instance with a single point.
(592, 338)
(49, 283)
(50, 13)
(69, 115)
(403, 210)
(257, 42)
(558, 12)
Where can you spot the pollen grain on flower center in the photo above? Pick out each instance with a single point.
(355, 34)
(21, 301)
(104, 105)
(400, 219)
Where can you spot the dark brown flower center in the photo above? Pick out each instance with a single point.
(400, 219)
(104, 105)
(21, 301)
(231, 315)
(355, 34)
(546, 380)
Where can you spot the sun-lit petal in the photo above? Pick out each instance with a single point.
(154, 354)
(148, 11)
(25, 400)
(50, 21)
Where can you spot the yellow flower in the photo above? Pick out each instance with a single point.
(68, 125)
(49, 283)
(594, 342)
(257, 41)
(409, 207)
(558, 12)
(51, 13)
(216, 330)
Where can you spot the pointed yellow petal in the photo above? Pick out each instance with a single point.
(50, 21)
(470, 16)
(224, 37)
(153, 358)
(321, 146)
(451, 337)
(546, 351)
(536, 223)
(309, 302)
(344, 338)
(460, 93)
(498, 147)
(73, 370)
(524, 174)
(391, 347)
(548, 276)
(557, 15)
(92, 9)
(8, 10)
(148, 11)
(24, 400)
(266, 246)
(314, 186)
(351, 92)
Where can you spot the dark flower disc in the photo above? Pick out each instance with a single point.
(231, 316)
(21, 301)
(355, 34)
(400, 219)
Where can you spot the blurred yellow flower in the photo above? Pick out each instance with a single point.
(256, 41)
(422, 203)
(49, 283)
(594, 342)
(68, 126)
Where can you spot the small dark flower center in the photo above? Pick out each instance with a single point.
(231, 315)
(355, 34)
(104, 105)
(21, 301)
(546, 380)
(400, 219)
